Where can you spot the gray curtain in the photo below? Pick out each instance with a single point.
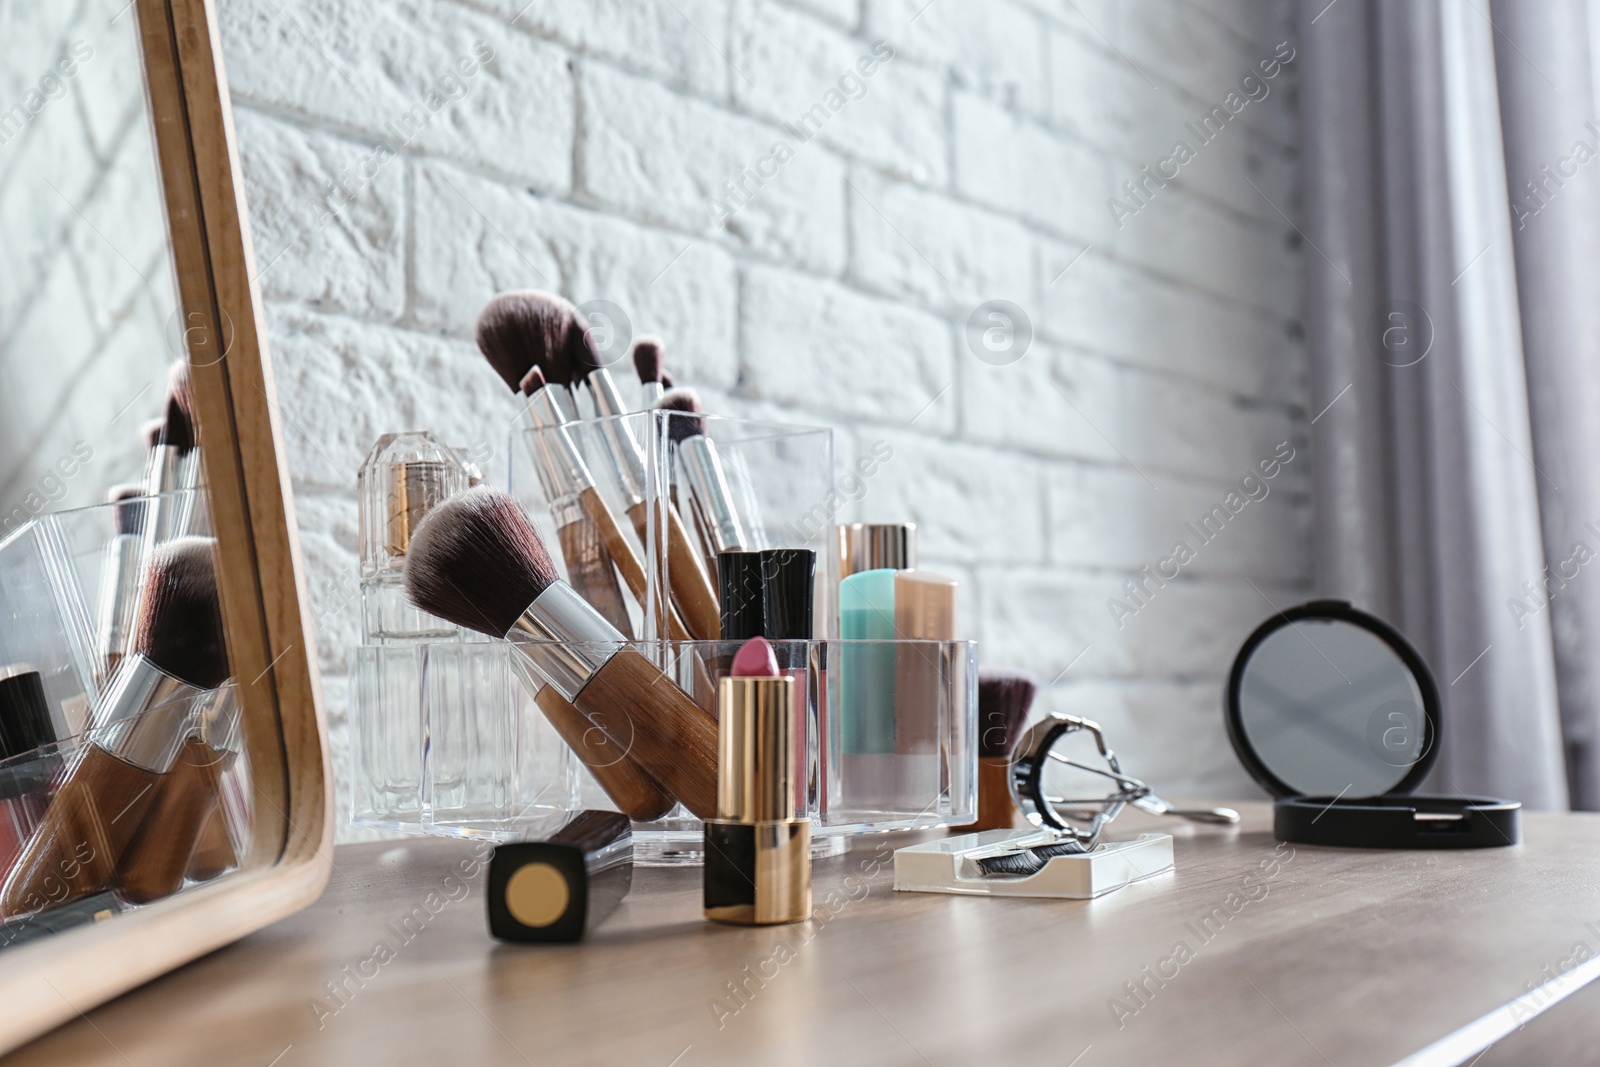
(1455, 364)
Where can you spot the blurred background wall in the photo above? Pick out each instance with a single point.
(963, 231)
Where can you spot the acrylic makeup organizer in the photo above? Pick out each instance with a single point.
(490, 766)
(52, 581)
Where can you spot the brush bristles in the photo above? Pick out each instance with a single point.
(180, 616)
(533, 381)
(179, 386)
(689, 422)
(647, 359)
(1004, 698)
(177, 431)
(527, 328)
(128, 515)
(477, 561)
(150, 433)
(666, 380)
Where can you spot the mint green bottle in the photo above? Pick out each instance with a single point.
(866, 672)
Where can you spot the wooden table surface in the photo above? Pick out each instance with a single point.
(1312, 956)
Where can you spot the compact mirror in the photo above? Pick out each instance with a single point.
(1330, 707)
(1335, 714)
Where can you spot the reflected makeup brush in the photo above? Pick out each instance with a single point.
(477, 561)
(173, 465)
(692, 591)
(647, 360)
(158, 696)
(186, 798)
(1004, 700)
(119, 576)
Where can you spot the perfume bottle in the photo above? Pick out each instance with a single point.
(402, 479)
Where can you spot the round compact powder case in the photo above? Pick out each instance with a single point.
(1334, 713)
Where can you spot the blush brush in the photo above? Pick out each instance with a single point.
(157, 697)
(1004, 700)
(477, 561)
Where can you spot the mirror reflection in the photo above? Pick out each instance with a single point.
(1331, 709)
(122, 777)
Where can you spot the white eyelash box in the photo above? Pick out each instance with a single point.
(952, 865)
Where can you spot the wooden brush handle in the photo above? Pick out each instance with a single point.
(590, 572)
(214, 851)
(692, 594)
(75, 851)
(635, 794)
(154, 863)
(646, 715)
(996, 809)
(623, 555)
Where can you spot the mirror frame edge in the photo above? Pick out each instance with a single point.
(270, 633)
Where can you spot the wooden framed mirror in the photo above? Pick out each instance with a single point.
(124, 247)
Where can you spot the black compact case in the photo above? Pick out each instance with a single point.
(558, 889)
(1334, 713)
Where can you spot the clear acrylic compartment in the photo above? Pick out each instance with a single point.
(490, 765)
(447, 741)
(58, 580)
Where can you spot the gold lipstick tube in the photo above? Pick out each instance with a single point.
(758, 850)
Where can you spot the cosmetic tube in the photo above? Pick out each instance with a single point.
(560, 888)
(924, 613)
(404, 476)
(758, 849)
(769, 594)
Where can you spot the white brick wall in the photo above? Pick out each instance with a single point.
(974, 165)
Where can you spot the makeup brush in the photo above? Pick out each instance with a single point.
(173, 465)
(647, 360)
(569, 479)
(1004, 700)
(702, 468)
(530, 322)
(186, 797)
(119, 575)
(520, 329)
(477, 561)
(157, 697)
(590, 565)
(692, 590)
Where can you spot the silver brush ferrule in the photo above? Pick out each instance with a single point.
(649, 393)
(698, 458)
(119, 594)
(145, 714)
(170, 482)
(565, 639)
(554, 443)
(626, 455)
